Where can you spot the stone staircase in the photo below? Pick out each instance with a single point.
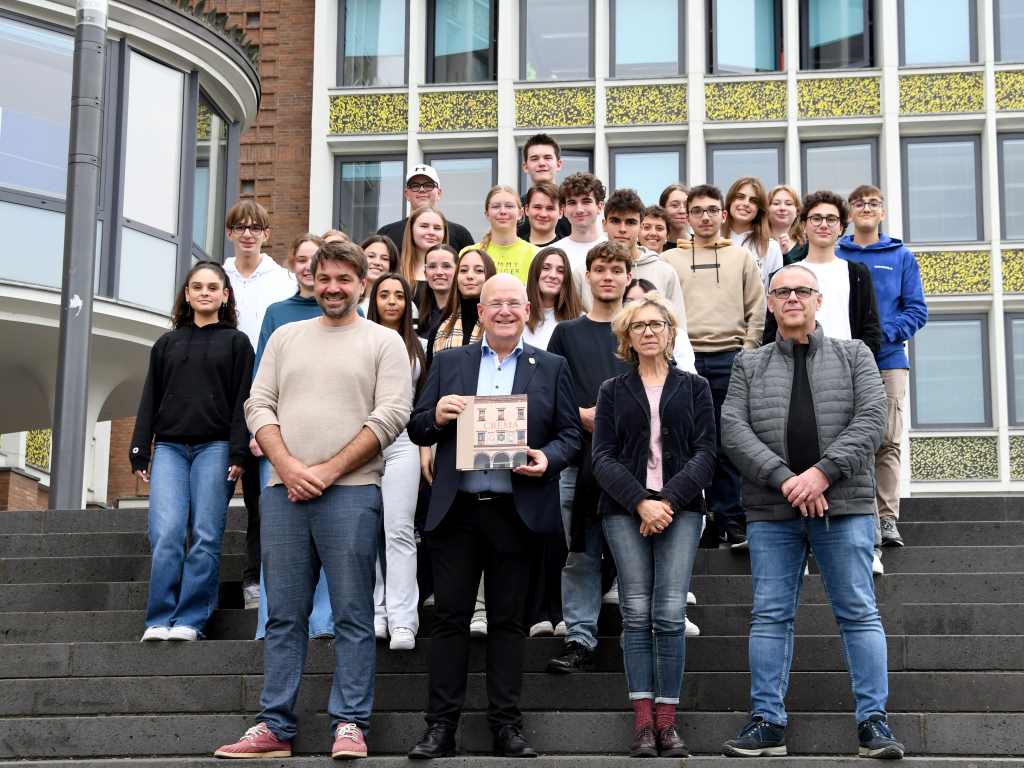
(77, 688)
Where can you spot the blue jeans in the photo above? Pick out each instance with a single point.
(725, 494)
(581, 576)
(321, 622)
(188, 496)
(654, 577)
(338, 530)
(843, 547)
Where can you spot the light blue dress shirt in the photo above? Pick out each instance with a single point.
(496, 378)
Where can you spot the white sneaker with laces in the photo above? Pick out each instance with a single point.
(478, 626)
(251, 596)
(154, 633)
(561, 630)
(692, 630)
(611, 597)
(691, 599)
(186, 634)
(542, 629)
(402, 639)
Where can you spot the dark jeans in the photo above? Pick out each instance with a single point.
(478, 537)
(724, 496)
(251, 488)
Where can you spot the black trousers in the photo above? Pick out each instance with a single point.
(488, 537)
(251, 494)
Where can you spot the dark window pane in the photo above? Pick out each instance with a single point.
(374, 45)
(941, 191)
(462, 41)
(1017, 367)
(745, 35)
(647, 172)
(731, 163)
(1013, 190)
(936, 32)
(647, 44)
(836, 35)
(371, 196)
(949, 376)
(466, 182)
(1010, 24)
(557, 40)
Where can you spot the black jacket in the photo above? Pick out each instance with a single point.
(196, 386)
(458, 236)
(552, 425)
(864, 322)
(622, 441)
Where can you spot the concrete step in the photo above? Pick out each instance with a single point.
(99, 568)
(568, 733)
(964, 534)
(110, 543)
(920, 509)
(91, 520)
(544, 761)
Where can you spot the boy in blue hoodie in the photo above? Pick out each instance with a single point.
(902, 312)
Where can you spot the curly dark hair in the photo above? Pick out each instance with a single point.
(826, 197)
(624, 200)
(184, 315)
(580, 184)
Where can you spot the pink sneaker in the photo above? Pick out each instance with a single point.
(258, 741)
(348, 741)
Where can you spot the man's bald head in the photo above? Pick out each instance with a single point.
(502, 281)
(503, 310)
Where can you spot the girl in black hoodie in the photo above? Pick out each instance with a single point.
(197, 383)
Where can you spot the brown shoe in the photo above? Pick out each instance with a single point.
(644, 744)
(670, 743)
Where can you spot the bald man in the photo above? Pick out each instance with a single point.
(490, 521)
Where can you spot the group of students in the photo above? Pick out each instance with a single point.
(329, 386)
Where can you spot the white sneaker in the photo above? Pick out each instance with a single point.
(154, 633)
(251, 596)
(542, 629)
(402, 639)
(380, 628)
(876, 564)
(429, 600)
(478, 626)
(561, 630)
(611, 597)
(691, 599)
(692, 630)
(182, 633)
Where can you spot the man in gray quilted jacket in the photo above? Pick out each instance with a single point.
(801, 422)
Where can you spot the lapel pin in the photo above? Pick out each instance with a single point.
(532, 361)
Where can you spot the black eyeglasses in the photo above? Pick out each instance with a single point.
(871, 205)
(639, 327)
(255, 229)
(425, 186)
(698, 212)
(816, 219)
(801, 290)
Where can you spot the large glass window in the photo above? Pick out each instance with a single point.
(949, 372)
(1011, 177)
(369, 194)
(152, 178)
(941, 190)
(373, 42)
(938, 32)
(465, 181)
(147, 270)
(1009, 28)
(728, 162)
(649, 43)
(839, 166)
(745, 36)
(35, 108)
(1015, 366)
(836, 34)
(573, 161)
(557, 39)
(463, 41)
(33, 250)
(648, 170)
(210, 176)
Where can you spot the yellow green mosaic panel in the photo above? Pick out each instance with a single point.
(950, 93)
(1013, 271)
(646, 104)
(1010, 91)
(554, 107)
(37, 448)
(954, 458)
(370, 113)
(955, 272)
(839, 97)
(1017, 457)
(458, 111)
(202, 122)
(746, 100)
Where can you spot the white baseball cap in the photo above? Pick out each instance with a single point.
(423, 170)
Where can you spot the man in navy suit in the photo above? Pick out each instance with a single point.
(490, 521)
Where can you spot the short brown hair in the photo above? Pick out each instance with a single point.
(247, 211)
(826, 197)
(545, 188)
(580, 184)
(706, 190)
(667, 192)
(865, 190)
(656, 212)
(543, 140)
(342, 253)
(624, 200)
(610, 250)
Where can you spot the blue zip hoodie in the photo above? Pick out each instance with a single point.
(897, 279)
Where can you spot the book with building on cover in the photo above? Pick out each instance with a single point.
(491, 433)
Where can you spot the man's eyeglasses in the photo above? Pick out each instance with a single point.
(424, 186)
(255, 229)
(698, 212)
(816, 220)
(801, 291)
(871, 205)
(639, 327)
(514, 305)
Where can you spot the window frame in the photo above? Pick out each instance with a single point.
(1014, 419)
(229, 200)
(523, 26)
(340, 52)
(340, 160)
(777, 145)
(712, 49)
(641, 149)
(979, 197)
(681, 44)
(998, 36)
(1001, 139)
(871, 141)
(982, 319)
(972, 15)
(432, 30)
(869, 39)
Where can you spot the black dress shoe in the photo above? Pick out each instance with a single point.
(510, 742)
(575, 657)
(670, 744)
(644, 744)
(437, 741)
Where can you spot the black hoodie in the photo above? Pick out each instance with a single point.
(197, 384)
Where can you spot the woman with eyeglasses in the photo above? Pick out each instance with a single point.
(747, 225)
(654, 453)
(197, 383)
(510, 253)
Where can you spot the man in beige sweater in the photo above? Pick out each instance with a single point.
(724, 299)
(330, 394)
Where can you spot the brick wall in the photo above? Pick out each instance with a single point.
(120, 480)
(19, 491)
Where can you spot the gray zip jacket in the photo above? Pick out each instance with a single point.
(850, 410)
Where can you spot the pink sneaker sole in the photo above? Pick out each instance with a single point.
(347, 754)
(252, 755)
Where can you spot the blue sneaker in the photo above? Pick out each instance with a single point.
(877, 741)
(759, 738)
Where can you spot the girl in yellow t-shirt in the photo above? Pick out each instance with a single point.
(510, 253)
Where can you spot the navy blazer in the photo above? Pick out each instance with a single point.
(622, 441)
(552, 425)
